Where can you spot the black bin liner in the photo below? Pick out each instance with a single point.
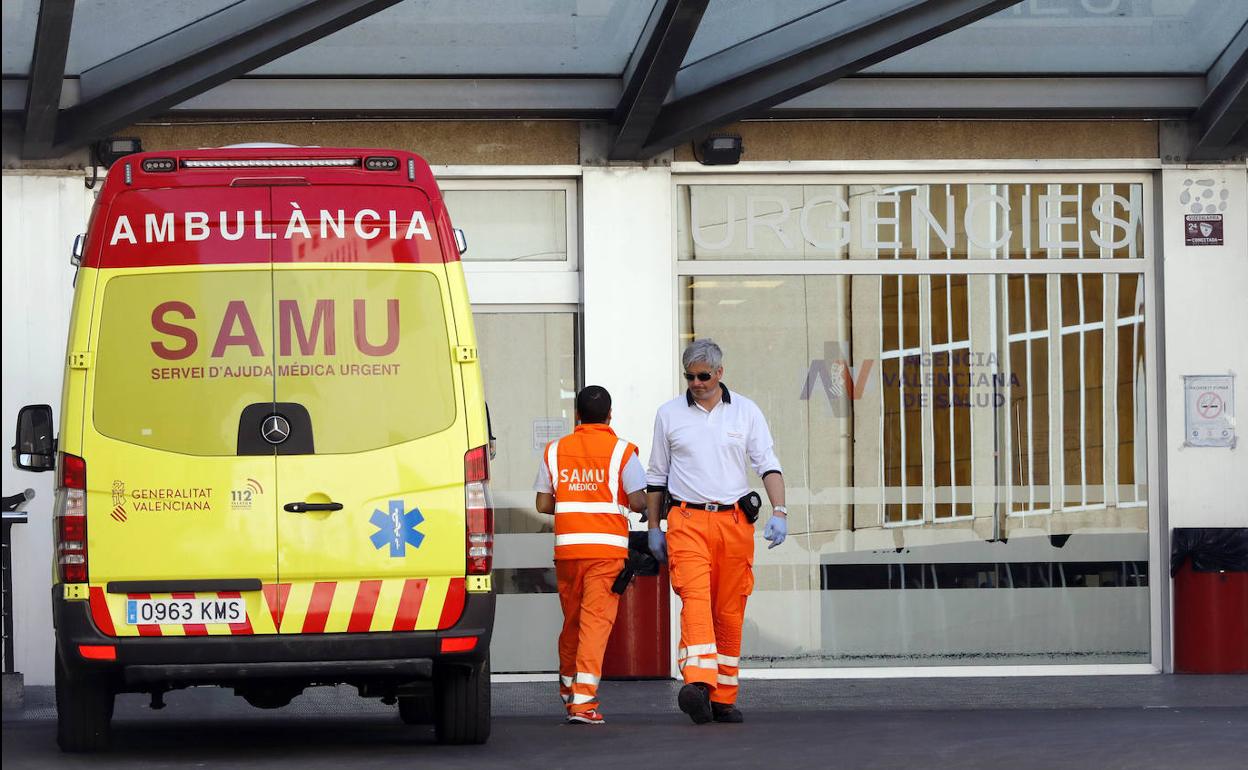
(1211, 549)
(639, 556)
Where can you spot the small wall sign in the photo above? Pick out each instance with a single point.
(1202, 229)
(1210, 413)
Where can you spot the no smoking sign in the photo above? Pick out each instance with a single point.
(1209, 405)
(1210, 410)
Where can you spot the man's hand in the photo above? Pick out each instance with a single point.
(657, 541)
(776, 530)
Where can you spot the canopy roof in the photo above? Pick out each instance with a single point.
(661, 71)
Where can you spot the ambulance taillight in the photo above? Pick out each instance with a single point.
(71, 520)
(478, 511)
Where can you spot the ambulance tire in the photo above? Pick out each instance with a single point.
(84, 711)
(462, 703)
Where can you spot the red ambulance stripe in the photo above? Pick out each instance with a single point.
(191, 629)
(99, 612)
(237, 629)
(318, 608)
(148, 630)
(275, 596)
(454, 606)
(409, 604)
(365, 604)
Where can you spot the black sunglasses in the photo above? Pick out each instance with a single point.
(702, 376)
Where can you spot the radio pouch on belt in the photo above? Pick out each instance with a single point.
(751, 504)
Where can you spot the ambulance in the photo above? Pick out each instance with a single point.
(272, 466)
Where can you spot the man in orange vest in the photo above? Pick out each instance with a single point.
(704, 441)
(586, 479)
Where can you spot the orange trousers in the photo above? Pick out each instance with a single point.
(711, 556)
(589, 608)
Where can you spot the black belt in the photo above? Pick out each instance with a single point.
(712, 507)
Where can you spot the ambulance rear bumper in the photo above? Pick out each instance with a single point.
(326, 658)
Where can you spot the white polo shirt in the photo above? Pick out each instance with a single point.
(701, 456)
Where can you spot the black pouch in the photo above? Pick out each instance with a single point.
(750, 505)
(625, 577)
(639, 562)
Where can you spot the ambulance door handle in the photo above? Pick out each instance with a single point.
(309, 507)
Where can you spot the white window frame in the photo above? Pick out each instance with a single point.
(538, 282)
(885, 173)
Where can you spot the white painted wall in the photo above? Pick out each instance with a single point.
(629, 289)
(42, 213)
(1206, 306)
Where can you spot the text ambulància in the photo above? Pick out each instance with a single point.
(365, 224)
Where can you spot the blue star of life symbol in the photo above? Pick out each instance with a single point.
(396, 527)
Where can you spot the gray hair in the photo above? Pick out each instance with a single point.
(703, 350)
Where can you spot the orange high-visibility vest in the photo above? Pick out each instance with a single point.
(591, 514)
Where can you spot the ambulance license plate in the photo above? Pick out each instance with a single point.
(158, 612)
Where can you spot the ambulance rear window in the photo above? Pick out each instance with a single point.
(366, 351)
(165, 378)
(385, 376)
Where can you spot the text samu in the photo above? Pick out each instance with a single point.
(237, 329)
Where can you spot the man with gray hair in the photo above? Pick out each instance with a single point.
(702, 443)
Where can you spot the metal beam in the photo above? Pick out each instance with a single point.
(1223, 116)
(576, 98)
(199, 56)
(1014, 98)
(786, 62)
(651, 71)
(47, 72)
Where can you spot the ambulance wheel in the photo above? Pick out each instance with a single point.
(84, 709)
(462, 703)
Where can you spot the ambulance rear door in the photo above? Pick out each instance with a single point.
(370, 482)
(182, 498)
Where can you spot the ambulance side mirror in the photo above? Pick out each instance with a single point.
(35, 449)
(461, 241)
(75, 257)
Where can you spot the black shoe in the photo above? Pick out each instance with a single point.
(726, 712)
(695, 700)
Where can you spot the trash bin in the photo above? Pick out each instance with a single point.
(640, 643)
(1210, 571)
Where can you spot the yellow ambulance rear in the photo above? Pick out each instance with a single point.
(271, 463)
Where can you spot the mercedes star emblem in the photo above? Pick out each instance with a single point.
(275, 429)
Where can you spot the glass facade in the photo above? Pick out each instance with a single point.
(964, 449)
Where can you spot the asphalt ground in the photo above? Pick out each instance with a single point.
(1042, 722)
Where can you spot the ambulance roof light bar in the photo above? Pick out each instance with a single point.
(273, 163)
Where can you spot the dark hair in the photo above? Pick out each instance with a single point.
(593, 404)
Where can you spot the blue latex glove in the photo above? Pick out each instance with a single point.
(657, 539)
(776, 530)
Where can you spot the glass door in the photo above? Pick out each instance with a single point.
(530, 364)
(522, 267)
